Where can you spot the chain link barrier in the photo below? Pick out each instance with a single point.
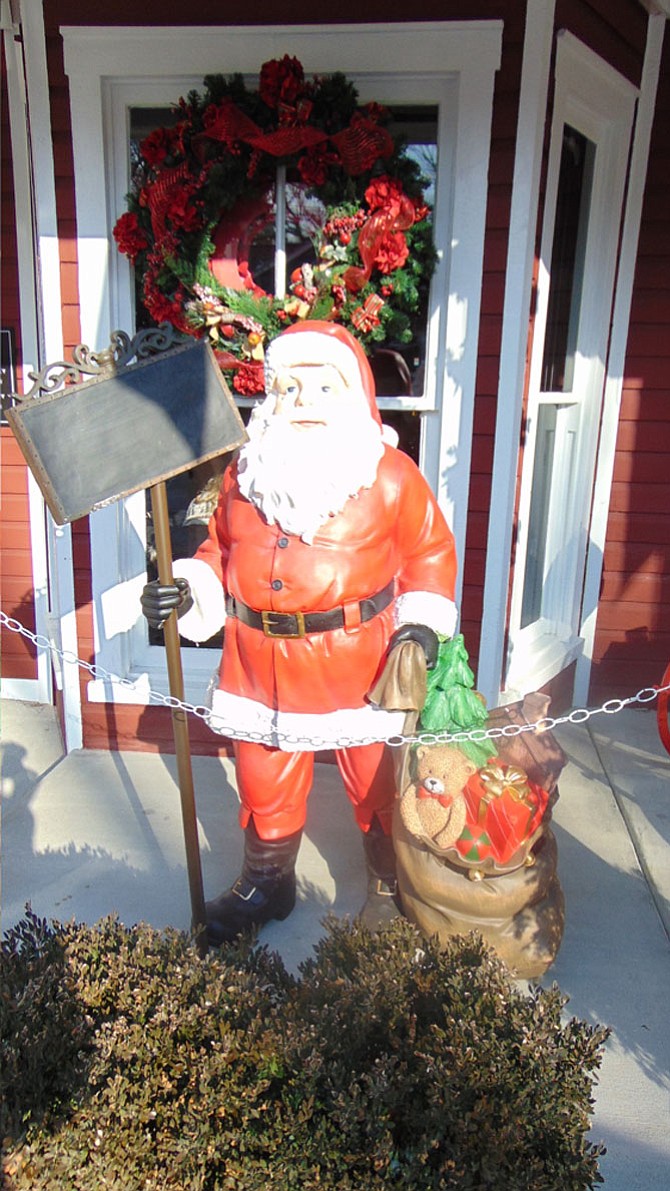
(398, 740)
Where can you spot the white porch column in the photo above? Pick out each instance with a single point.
(39, 264)
(520, 254)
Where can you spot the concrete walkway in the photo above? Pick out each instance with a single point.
(94, 832)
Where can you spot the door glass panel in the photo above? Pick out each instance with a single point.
(543, 472)
(567, 261)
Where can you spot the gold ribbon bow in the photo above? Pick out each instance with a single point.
(498, 780)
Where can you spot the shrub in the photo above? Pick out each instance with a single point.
(388, 1063)
(44, 1031)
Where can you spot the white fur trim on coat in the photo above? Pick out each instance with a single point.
(208, 613)
(426, 607)
(241, 718)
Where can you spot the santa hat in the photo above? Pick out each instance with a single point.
(315, 342)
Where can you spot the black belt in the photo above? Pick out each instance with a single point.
(297, 624)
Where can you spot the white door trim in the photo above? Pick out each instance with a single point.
(42, 342)
(36, 689)
(538, 40)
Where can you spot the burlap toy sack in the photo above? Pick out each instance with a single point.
(486, 861)
(538, 753)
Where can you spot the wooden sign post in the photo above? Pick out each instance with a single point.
(182, 744)
(131, 428)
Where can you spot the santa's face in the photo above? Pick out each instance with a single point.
(308, 396)
(313, 444)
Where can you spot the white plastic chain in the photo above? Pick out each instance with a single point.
(546, 724)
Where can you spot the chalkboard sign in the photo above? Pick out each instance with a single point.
(90, 444)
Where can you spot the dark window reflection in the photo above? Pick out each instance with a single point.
(567, 261)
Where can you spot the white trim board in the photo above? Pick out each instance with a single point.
(535, 71)
(39, 296)
(61, 584)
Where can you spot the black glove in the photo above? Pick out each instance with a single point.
(425, 637)
(158, 600)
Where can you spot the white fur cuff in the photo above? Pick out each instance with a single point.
(426, 607)
(208, 613)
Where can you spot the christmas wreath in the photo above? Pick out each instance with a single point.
(203, 190)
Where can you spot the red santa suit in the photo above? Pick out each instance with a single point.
(300, 693)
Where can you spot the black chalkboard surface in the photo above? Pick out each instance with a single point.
(90, 444)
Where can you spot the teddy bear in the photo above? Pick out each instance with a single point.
(433, 805)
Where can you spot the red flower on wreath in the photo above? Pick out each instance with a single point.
(181, 213)
(249, 380)
(164, 309)
(129, 236)
(384, 193)
(315, 165)
(282, 80)
(158, 145)
(392, 252)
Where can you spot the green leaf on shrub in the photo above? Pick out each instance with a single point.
(129, 1062)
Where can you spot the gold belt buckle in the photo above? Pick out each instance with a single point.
(268, 624)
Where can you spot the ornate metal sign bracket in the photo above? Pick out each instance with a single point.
(87, 364)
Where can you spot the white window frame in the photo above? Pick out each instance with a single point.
(448, 64)
(593, 98)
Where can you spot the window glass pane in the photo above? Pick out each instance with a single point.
(543, 470)
(305, 218)
(401, 368)
(7, 369)
(567, 261)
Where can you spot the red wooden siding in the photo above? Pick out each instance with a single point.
(65, 200)
(275, 12)
(503, 138)
(617, 32)
(16, 577)
(632, 646)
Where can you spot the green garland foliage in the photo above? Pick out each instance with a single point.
(373, 253)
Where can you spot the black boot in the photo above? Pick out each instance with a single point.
(265, 888)
(382, 904)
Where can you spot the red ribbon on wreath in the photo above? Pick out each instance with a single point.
(160, 196)
(361, 144)
(396, 218)
(231, 124)
(358, 146)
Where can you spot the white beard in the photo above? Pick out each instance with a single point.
(299, 478)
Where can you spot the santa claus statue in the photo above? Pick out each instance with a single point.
(326, 549)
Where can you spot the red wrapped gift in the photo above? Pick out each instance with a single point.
(504, 813)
